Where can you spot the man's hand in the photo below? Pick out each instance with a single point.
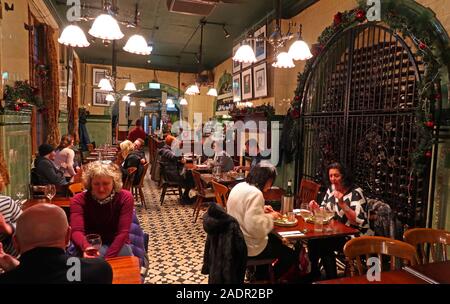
(7, 262)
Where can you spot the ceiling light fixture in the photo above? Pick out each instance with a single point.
(130, 86)
(106, 27)
(105, 85)
(183, 102)
(126, 98)
(136, 44)
(73, 36)
(133, 103)
(283, 61)
(142, 103)
(299, 50)
(245, 54)
(169, 101)
(110, 97)
(212, 92)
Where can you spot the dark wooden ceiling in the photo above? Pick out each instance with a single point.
(175, 36)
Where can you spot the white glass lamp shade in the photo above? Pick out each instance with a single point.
(283, 61)
(74, 36)
(126, 98)
(130, 86)
(142, 104)
(299, 50)
(212, 92)
(195, 89)
(106, 27)
(136, 44)
(109, 97)
(189, 91)
(133, 103)
(183, 102)
(169, 101)
(245, 54)
(105, 85)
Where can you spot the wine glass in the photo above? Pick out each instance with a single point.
(50, 192)
(95, 243)
(20, 193)
(306, 214)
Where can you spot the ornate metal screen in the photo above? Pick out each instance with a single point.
(359, 108)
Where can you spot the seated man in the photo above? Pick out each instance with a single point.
(173, 166)
(222, 158)
(41, 237)
(139, 149)
(45, 170)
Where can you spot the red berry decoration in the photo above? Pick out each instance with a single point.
(438, 97)
(297, 98)
(429, 124)
(17, 108)
(422, 46)
(428, 154)
(337, 19)
(360, 15)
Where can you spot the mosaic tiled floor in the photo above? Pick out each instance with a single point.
(176, 243)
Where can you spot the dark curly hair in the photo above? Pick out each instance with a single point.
(347, 181)
(260, 174)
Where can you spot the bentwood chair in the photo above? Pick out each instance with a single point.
(368, 246)
(137, 189)
(203, 194)
(76, 188)
(431, 244)
(130, 177)
(308, 192)
(168, 187)
(221, 193)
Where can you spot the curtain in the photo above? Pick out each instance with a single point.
(73, 103)
(3, 168)
(52, 88)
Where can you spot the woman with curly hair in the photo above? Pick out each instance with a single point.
(103, 209)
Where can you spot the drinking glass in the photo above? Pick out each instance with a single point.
(306, 214)
(50, 192)
(95, 243)
(20, 193)
(329, 215)
(318, 220)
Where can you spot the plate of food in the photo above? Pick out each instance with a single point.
(284, 222)
(313, 220)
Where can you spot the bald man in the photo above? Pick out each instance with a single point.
(41, 236)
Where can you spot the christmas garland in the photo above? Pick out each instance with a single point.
(430, 47)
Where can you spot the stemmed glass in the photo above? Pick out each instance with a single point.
(50, 192)
(20, 193)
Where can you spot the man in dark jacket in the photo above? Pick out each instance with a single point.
(225, 255)
(45, 171)
(41, 237)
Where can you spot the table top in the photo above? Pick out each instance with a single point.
(63, 202)
(126, 270)
(200, 168)
(337, 230)
(386, 277)
(224, 179)
(439, 271)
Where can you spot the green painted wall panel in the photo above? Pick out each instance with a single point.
(99, 129)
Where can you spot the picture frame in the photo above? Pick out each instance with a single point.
(99, 98)
(260, 80)
(246, 65)
(247, 84)
(237, 88)
(236, 65)
(97, 75)
(260, 46)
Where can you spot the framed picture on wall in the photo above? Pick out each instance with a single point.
(97, 75)
(99, 98)
(260, 80)
(237, 88)
(260, 43)
(236, 65)
(247, 84)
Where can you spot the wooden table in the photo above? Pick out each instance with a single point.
(201, 168)
(126, 270)
(439, 272)
(387, 277)
(63, 202)
(224, 179)
(338, 230)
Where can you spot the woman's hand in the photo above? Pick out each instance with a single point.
(338, 195)
(7, 262)
(313, 205)
(268, 209)
(91, 253)
(275, 215)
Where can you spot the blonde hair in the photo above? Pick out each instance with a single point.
(126, 147)
(100, 169)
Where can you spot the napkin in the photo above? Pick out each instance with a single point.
(291, 233)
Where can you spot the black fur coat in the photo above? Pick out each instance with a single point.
(225, 256)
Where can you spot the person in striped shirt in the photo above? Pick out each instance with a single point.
(9, 213)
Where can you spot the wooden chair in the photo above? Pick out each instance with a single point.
(130, 177)
(203, 194)
(137, 189)
(37, 191)
(435, 240)
(221, 192)
(308, 192)
(168, 187)
(377, 245)
(76, 188)
(252, 263)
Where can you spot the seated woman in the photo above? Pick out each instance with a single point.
(131, 159)
(104, 209)
(349, 205)
(246, 204)
(9, 213)
(221, 157)
(64, 158)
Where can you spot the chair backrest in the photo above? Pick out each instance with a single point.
(37, 191)
(144, 172)
(376, 245)
(76, 188)
(198, 182)
(221, 192)
(435, 240)
(308, 191)
(130, 177)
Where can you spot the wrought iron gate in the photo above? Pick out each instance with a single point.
(358, 107)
